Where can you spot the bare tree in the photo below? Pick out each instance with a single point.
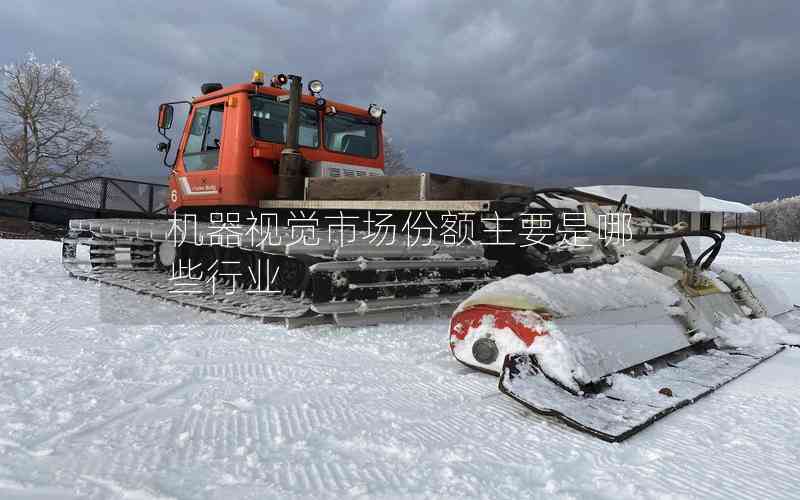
(45, 137)
(394, 159)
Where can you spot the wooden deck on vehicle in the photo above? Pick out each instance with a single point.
(422, 187)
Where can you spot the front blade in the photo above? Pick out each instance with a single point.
(629, 404)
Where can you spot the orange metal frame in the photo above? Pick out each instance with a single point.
(247, 168)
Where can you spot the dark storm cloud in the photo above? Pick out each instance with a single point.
(674, 93)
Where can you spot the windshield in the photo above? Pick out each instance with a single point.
(351, 135)
(270, 121)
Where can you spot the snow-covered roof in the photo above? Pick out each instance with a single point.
(717, 205)
(688, 200)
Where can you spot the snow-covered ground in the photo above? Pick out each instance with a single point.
(106, 394)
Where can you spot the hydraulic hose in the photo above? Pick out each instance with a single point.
(711, 252)
(687, 253)
(708, 254)
(703, 261)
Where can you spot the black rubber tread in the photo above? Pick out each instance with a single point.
(295, 281)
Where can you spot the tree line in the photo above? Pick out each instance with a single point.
(782, 217)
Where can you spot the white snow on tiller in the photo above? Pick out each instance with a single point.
(567, 344)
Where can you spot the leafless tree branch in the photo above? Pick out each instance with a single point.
(44, 135)
(394, 159)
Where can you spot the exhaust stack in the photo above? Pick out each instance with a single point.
(290, 168)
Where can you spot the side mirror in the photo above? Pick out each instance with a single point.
(165, 113)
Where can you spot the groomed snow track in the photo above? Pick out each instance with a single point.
(106, 395)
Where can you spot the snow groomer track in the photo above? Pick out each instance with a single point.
(381, 283)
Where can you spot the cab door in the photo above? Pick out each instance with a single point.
(199, 181)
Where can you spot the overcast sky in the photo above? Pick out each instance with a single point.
(663, 93)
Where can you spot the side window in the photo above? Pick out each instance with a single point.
(270, 119)
(205, 138)
(351, 135)
(214, 131)
(308, 135)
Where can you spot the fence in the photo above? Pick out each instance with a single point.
(748, 224)
(105, 193)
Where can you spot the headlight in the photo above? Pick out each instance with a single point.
(315, 86)
(279, 80)
(320, 102)
(376, 111)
